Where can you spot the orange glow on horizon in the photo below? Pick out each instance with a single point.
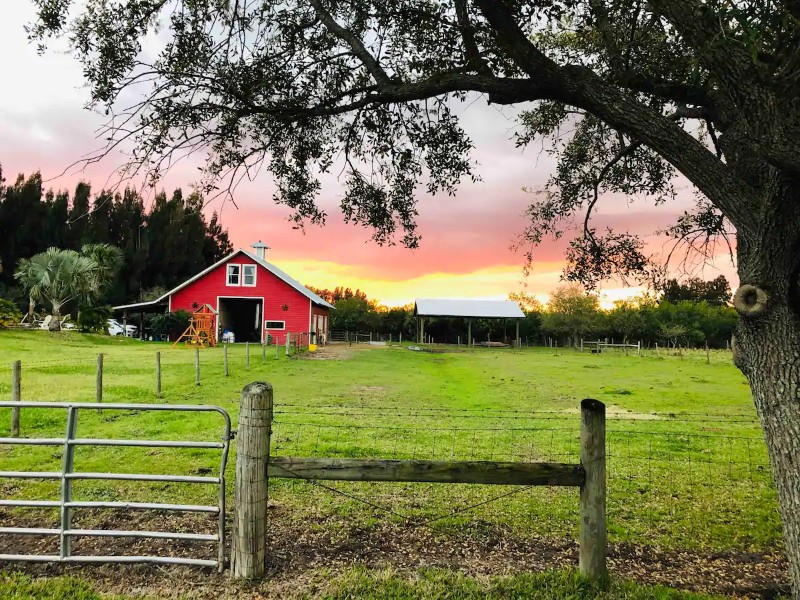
(494, 283)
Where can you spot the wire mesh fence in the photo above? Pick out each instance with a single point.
(687, 488)
(687, 479)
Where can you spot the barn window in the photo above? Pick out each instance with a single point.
(275, 325)
(249, 275)
(233, 274)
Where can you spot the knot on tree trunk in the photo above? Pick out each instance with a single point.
(749, 300)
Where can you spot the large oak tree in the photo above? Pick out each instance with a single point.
(631, 92)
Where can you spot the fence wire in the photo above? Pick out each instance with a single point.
(674, 489)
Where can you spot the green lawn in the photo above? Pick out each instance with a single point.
(431, 584)
(687, 464)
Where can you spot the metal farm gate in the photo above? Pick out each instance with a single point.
(67, 475)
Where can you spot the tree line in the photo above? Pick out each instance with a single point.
(692, 313)
(160, 245)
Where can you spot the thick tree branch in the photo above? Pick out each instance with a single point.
(674, 91)
(579, 86)
(730, 63)
(735, 69)
(499, 90)
(473, 54)
(370, 62)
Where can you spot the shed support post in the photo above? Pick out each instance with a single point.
(592, 550)
(422, 330)
(518, 344)
(248, 546)
(469, 332)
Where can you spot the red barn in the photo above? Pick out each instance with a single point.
(251, 297)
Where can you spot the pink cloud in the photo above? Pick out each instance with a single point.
(43, 127)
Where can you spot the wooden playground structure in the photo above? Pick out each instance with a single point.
(201, 329)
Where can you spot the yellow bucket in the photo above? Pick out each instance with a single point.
(312, 347)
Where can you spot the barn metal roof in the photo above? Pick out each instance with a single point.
(292, 282)
(268, 266)
(477, 309)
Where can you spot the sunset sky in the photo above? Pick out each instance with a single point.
(466, 239)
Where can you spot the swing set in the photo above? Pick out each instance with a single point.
(201, 329)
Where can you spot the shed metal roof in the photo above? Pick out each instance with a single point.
(478, 309)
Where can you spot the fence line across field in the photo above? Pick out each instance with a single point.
(248, 557)
(661, 469)
(374, 411)
(293, 438)
(517, 411)
(100, 364)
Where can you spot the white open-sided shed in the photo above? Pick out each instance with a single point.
(465, 309)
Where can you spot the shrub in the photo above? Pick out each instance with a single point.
(9, 314)
(171, 324)
(94, 319)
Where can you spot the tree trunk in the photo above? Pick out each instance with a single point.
(55, 322)
(768, 352)
(31, 309)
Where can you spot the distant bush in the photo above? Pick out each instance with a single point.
(94, 319)
(170, 324)
(9, 314)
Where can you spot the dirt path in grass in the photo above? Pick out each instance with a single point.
(305, 558)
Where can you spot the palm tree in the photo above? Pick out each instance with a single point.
(108, 260)
(56, 276)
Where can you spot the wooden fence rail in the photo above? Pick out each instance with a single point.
(254, 467)
(432, 471)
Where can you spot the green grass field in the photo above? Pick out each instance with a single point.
(432, 584)
(687, 465)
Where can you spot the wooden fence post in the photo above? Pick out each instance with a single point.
(592, 551)
(99, 381)
(225, 358)
(288, 343)
(248, 547)
(263, 353)
(708, 354)
(247, 355)
(197, 365)
(158, 374)
(277, 348)
(16, 395)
